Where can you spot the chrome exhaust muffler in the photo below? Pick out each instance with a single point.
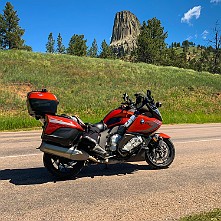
(69, 153)
(72, 153)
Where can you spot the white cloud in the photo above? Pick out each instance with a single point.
(204, 34)
(189, 38)
(215, 1)
(194, 12)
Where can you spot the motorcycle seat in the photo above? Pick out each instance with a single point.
(101, 126)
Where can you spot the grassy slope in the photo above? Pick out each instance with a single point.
(214, 215)
(91, 87)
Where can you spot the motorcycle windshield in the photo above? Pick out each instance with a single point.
(156, 112)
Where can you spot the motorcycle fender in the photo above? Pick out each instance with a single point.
(164, 135)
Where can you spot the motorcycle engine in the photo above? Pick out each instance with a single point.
(128, 144)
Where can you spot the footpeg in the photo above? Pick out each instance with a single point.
(100, 151)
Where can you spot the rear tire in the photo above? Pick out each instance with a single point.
(62, 168)
(160, 155)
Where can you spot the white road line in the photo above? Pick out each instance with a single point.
(191, 141)
(24, 155)
(198, 141)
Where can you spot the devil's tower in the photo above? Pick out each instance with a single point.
(125, 31)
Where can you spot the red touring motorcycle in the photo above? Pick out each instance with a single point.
(126, 134)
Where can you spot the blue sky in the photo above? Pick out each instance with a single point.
(182, 19)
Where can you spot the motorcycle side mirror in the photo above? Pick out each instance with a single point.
(125, 96)
(148, 93)
(158, 104)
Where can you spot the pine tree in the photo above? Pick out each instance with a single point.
(93, 51)
(182, 59)
(60, 47)
(216, 63)
(1, 32)
(185, 45)
(50, 44)
(10, 31)
(171, 56)
(106, 50)
(151, 42)
(77, 46)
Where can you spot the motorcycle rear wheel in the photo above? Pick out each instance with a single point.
(62, 168)
(161, 155)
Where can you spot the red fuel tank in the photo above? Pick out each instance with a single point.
(117, 117)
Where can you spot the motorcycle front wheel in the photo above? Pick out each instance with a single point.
(62, 168)
(160, 155)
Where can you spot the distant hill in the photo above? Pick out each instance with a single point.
(90, 87)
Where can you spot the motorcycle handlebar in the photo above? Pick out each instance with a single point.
(127, 100)
(148, 99)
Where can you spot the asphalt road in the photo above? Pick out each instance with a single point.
(120, 192)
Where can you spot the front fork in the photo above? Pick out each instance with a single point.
(155, 146)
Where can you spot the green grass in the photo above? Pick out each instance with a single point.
(17, 122)
(214, 215)
(91, 87)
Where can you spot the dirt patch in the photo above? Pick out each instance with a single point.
(217, 95)
(21, 89)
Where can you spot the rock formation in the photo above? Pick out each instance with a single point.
(125, 31)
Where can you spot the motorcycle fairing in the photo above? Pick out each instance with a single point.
(144, 125)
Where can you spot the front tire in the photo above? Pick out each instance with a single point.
(160, 154)
(62, 168)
